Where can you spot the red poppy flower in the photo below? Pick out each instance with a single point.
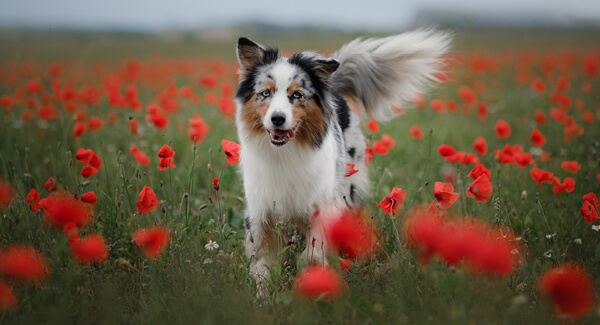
(166, 154)
(380, 148)
(416, 133)
(215, 184)
(589, 212)
(350, 170)
(480, 145)
(159, 120)
(33, 199)
(572, 166)
(6, 194)
(591, 197)
(373, 126)
(23, 263)
(63, 208)
(318, 280)
(152, 240)
(568, 185)
(88, 171)
(446, 150)
(541, 176)
(79, 129)
(345, 264)
(198, 129)
(479, 170)
(89, 197)
(8, 299)
(87, 156)
(482, 111)
(70, 230)
(90, 250)
(232, 150)
(540, 117)
(393, 202)
(147, 200)
(134, 126)
(424, 230)
(388, 141)
(95, 123)
(538, 86)
(502, 129)
(438, 105)
(139, 155)
(469, 158)
(523, 159)
(351, 235)
(570, 289)
(537, 138)
(50, 185)
(480, 189)
(467, 94)
(444, 194)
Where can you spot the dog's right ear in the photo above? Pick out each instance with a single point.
(249, 54)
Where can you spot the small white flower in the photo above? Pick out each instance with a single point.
(548, 253)
(548, 236)
(596, 227)
(212, 245)
(207, 261)
(518, 238)
(514, 251)
(577, 241)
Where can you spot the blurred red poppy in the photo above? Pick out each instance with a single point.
(480, 146)
(215, 184)
(139, 155)
(166, 154)
(50, 185)
(90, 250)
(351, 235)
(134, 126)
(63, 208)
(33, 199)
(540, 117)
(23, 263)
(7, 193)
(467, 94)
(591, 197)
(479, 170)
(537, 138)
(570, 289)
(502, 129)
(572, 166)
(373, 126)
(350, 170)
(147, 200)
(8, 299)
(318, 281)
(415, 132)
(95, 123)
(152, 240)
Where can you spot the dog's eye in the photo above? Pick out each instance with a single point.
(297, 95)
(265, 93)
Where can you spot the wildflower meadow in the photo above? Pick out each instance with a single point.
(121, 201)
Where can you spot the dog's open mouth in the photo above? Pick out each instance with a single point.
(281, 137)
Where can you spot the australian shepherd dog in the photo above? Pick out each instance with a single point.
(297, 131)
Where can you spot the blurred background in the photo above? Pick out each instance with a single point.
(124, 28)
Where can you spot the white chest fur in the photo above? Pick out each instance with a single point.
(290, 181)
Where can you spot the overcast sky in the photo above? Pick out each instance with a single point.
(349, 14)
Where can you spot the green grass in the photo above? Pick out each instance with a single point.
(183, 287)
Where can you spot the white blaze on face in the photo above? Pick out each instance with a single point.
(280, 107)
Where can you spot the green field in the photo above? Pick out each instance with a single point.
(190, 284)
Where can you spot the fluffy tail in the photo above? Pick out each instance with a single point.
(382, 73)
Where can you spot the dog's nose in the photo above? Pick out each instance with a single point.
(278, 119)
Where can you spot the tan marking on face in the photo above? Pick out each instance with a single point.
(308, 116)
(255, 109)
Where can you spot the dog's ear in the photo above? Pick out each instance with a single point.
(249, 54)
(325, 67)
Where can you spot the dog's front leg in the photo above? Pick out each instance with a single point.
(263, 243)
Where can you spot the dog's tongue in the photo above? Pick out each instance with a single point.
(283, 133)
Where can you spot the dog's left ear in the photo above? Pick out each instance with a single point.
(325, 67)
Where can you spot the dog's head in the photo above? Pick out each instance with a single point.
(284, 99)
